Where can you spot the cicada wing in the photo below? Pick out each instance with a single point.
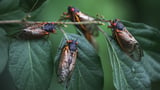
(122, 40)
(63, 70)
(128, 44)
(73, 58)
(137, 53)
(85, 17)
(72, 64)
(92, 28)
(33, 31)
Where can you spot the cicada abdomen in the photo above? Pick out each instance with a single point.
(126, 40)
(37, 30)
(67, 61)
(88, 30)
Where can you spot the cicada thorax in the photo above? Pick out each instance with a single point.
(67, 61)
(126, 40)
(88, 30)
(49, 27)
(37, 30)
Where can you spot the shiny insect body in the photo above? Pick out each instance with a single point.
(126, 40)
(67, 61)
(89, 30)
(37, 30)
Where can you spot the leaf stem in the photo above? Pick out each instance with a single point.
(64, 33)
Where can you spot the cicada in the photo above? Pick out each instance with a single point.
(88, 30)
(37, 30)
(67, 61)
(126, 40)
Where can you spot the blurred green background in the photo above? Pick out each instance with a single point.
(143, 11)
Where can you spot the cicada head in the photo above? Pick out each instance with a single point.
(72, 45)
(72, 10)
(116, 24)
(49, 27)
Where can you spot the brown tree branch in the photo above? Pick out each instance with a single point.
(33, 22)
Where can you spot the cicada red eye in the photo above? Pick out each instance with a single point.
(126, 40)
(72, 9)
(67, 61)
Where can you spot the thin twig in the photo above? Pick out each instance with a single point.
(32, 22)
(11, 21)
(64, 33)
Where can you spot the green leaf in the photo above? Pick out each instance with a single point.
(149, 39)
(88, 74)
(135, 76)
(10, 10)
(119, 79)
(106, 64)
(30, 64)
(4, 44)
(30, 5)
(8, 6)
